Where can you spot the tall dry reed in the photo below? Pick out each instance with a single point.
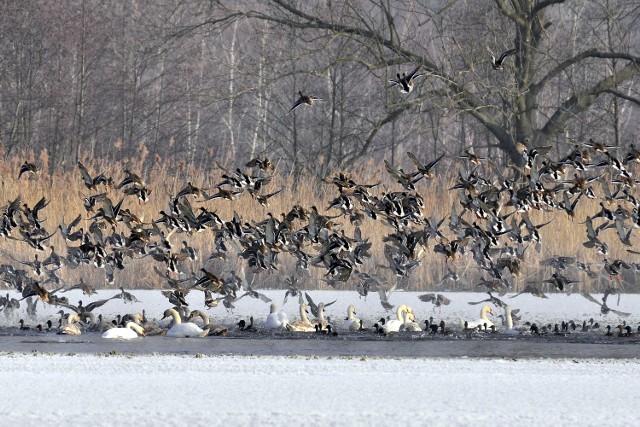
(65, 192)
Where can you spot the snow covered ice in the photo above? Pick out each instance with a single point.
(45, 389)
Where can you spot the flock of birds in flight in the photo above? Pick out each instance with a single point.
(490, 223)
(404, 82)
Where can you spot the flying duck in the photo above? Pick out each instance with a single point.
(497, 63)
(304, 99)
(405, 82)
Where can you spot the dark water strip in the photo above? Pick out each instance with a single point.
(399, 345)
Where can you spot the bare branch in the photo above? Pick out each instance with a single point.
(310, 21)
(580, 102)
(504, 9)
(209, 22)
(393, 32)
(623, 96)
(591, 53)
(390, 117)
(517, 6)
(543, 4)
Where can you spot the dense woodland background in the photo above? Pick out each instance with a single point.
(201, 81)
(172, 88)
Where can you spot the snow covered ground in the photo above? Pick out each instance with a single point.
(168, 390)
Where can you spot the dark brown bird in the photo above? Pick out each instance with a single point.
(28, 167)
(304, 99)
(438, 300)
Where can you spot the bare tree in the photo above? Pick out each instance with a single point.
(513, 105)
(190, 78)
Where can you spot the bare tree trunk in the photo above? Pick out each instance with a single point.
(232, 72)
(82, 82)
(159, 102)
(262, 101)
(196, 136)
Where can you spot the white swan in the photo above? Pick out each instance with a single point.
(183, 330)
(302, 325)
(410, 325)
(352, 323)
(511, 329)
(393, 325)
(276, 319)
(132, 330)
(70, 328)
(480, 322)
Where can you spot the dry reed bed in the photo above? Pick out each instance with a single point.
(65, 191)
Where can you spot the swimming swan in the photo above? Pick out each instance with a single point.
(213, 329)
(276, 319)
(511, 329)
(352, 322)
(132, 330)
(70, 328)
(183, 330)
(410, 324)
(302, 325)
(480, 322)
(393, 325)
